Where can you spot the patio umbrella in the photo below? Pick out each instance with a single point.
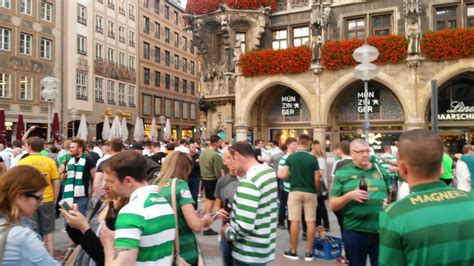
(168, 129)
(20, 128)
(115, 129)
(3, 129)
(139, 131)
(124, 129)
(153, 132)
(82, 130)
(55, 128)
(106, 128)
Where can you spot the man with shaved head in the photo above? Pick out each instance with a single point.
(434, 224)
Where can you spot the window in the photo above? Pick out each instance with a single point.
(185, 65)
(111, 56)
(121, 94)
(99, 24)
(111, 92)
(111, 4)
(185, 110)
(131, 62)
(176, 39)
(191, 47)
(26, 88)
(81, 45)
(146, 3)
(193, 111)
(242, 37)
(157, 6)
(46, 48)
(157, 106)
(279, 39)
(445, 17)
(381, 24)
(167, 12)
(185, 86)
(146, 104)
(176, 62)
(185, 43)
(4, 4)
(111, 31)
(5, 85)
(81, 14)
(146, 50)
(99, 51)
(131, 11)
(176, 84)
(167, 107)
(167, 58)
(300, 36)
(26, 41)
(146, 24)
(355, 28)
(99, 90)
(122, 7)
(192, 88)
(157, 30)
(157, 55)
(81, 86)
(131, 37)
(25, 7)
(122, 59)
(176, 18)
(177, 109)
(131, 95)
(5, 36)
(121, 32)
(157, 79)
(146, 76)
(167, 81)
(46, 11)
(470, 15)
(167, 35)
(192, 67)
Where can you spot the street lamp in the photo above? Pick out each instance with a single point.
(49, 93)
(366, 71)
(74, 113)
(162, 122)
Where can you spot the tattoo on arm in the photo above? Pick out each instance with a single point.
(118, 250)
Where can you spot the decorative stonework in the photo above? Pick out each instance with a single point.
(299, 3)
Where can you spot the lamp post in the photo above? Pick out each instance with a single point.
(365, 71)
(162, 122)
(74, 113)
(49, 93)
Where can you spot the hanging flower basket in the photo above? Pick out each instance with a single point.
(448, 44)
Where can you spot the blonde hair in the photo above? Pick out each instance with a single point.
(20, 179)
(318, 151)
(177, 165)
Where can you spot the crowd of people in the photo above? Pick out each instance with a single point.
(144, 203)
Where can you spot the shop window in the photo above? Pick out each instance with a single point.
(146, 107)
(158, 106)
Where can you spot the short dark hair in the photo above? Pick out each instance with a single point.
(304, 140)
(90, 146)
(315, 142)
(80, 142)
(182, 141)
(155, 144)
(214, 139)
(257, 141)
(290, 140)
(116, 144)
(170, 146)
(345, 147)
(127, 163)
(412, 148)
(242, 147)
(17, 144)
(36, 144)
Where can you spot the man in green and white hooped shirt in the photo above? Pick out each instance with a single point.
(433, 225)
(291, 146)
(253, 219)
(360, 208)
(145, 227)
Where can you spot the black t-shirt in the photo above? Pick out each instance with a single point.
(196, 171)
(94, 156)
(86, 174)
(157, 157)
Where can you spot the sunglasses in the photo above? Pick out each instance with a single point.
(39, 198)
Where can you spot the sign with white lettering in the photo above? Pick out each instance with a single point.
(373, 104)
(290, 105)
(459, 111)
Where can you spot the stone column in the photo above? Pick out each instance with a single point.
(411, 126)
(241, 133)
(319, 133)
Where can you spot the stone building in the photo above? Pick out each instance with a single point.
(29, 51)
(169, 74)
(329, 100)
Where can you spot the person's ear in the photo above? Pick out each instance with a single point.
(403, 169)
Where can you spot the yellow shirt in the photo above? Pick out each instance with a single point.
(48, 169)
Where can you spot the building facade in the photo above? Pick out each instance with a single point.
(30, 35)
(169, 75)
(327, 102)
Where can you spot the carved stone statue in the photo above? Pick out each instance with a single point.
(411, 7)
(237, 50)
(319, 17)
(316, 43)
(413, 34)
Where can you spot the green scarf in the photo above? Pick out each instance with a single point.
(74, 185)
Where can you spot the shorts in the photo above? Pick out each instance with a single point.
(297, 200)
(209, 188)
(45, 218)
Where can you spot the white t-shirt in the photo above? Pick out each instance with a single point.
(182, 148)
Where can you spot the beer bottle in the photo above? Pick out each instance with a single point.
(393, 189)
(363, 184)
(111, 216)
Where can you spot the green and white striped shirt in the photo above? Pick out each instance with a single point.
(147, 223)
(254, 217)
(286, 182)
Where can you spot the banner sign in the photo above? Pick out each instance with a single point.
(290, 105)
(373, 104)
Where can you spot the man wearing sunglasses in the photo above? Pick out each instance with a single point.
(360, 208)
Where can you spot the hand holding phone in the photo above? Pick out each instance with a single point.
(65, 205)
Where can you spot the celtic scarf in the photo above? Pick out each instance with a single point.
(74, 186)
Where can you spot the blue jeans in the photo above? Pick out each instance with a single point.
(359, 245)
(82, 203)
(226, 253)
(193, 183)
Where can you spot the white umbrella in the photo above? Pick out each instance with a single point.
(124, 129)
(116, 129)
(82, 130)
(153, 132)
(168, 129)
(106, 128)
(139, 131)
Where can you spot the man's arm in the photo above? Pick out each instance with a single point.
(391, 250)
(120, 256)
(283, 172)
(317, 180)
(217, 165)
(97, 184)
(56, 188)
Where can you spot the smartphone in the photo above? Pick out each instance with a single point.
(215, 216)
(65, 205)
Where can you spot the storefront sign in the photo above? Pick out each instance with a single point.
(459, 111)
(373, 103)
(290, 105)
